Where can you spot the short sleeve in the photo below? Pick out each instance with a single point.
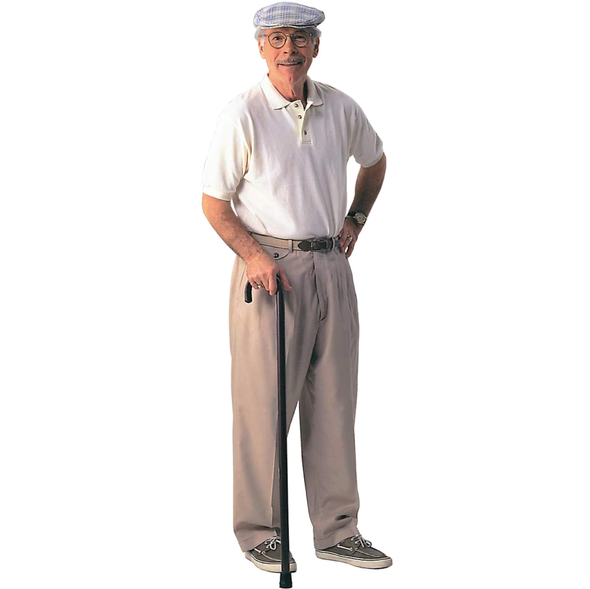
(365, 145)
(227, 160)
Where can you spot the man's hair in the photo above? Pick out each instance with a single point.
(259, 33)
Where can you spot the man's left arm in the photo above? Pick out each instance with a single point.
(368, 185)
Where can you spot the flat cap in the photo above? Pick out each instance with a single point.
(288, 14)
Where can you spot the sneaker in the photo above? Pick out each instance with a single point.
(356, 551)
(267, 556)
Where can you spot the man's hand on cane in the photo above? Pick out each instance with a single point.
(262, 271)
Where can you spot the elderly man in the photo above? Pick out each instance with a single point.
(279, 154)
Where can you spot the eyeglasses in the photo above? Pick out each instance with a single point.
(277, 40)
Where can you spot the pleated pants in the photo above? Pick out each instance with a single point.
(321, 342)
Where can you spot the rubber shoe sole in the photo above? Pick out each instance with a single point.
(363, 563)
(267, 566)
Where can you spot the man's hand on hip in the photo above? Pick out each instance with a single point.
(262, 271)
(348, 236)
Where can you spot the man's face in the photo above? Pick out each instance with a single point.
(290, 63)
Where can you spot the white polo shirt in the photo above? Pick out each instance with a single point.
(283, 166)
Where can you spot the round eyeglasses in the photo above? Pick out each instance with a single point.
(277, 40)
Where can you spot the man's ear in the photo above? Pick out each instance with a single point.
(261, 49)
(316, 49)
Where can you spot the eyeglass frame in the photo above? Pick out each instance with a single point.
(309, 35)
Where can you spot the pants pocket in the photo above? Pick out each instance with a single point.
(276, 253)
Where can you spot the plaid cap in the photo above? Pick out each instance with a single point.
(288, 14)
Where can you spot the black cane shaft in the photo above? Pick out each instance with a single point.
(282, 434)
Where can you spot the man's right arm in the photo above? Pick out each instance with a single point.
(261, 268)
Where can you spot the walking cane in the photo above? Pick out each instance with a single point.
(285, 580)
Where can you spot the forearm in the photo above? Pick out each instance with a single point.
(227, 225)
(368, 186)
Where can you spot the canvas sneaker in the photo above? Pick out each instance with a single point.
(356, 551)
(267, 556)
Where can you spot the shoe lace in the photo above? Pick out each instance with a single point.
(271, 543)
(358, 539)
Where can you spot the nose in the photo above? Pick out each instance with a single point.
(289, 46)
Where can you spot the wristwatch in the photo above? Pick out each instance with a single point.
(359, 217)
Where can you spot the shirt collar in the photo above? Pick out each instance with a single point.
(278, 101)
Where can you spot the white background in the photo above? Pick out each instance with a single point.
(472, 276)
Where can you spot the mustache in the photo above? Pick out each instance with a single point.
(290, 61)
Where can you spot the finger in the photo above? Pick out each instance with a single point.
(272, 285)
(350, 249)
(342, 237)
(343, 241)
(348, 240)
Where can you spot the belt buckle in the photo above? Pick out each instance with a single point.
(319, 244)
(316, 244)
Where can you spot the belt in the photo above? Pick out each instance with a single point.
(305, 245)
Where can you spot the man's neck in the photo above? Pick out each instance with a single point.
(292, 92)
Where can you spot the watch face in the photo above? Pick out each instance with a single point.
(360, 217)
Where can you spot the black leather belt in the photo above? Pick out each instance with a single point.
(304, 245)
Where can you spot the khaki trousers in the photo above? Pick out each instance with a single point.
(321, 342)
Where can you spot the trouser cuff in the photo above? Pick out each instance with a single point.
(333, 539)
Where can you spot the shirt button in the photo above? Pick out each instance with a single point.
(295, 105)
(305, 132)
(299, 116)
